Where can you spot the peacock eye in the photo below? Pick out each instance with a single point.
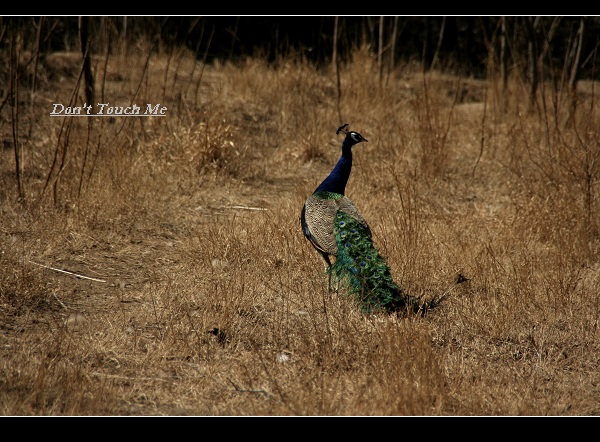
(356, 136)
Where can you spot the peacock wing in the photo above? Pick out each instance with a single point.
(319, 214)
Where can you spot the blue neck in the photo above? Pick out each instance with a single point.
(338, 178)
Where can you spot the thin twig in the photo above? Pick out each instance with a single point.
(130, 378)
(437, 300)
(242, 390)
(68, 273)
(243, 207)
(59, 301)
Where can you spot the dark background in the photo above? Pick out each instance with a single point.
(465, 45)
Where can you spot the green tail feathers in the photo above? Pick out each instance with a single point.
(364, 269)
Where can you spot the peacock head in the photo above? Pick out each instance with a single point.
(351, 137)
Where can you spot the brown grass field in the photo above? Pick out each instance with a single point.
(156, 265)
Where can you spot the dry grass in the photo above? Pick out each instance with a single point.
(213, 303)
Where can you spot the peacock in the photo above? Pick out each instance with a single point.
(335, 228)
